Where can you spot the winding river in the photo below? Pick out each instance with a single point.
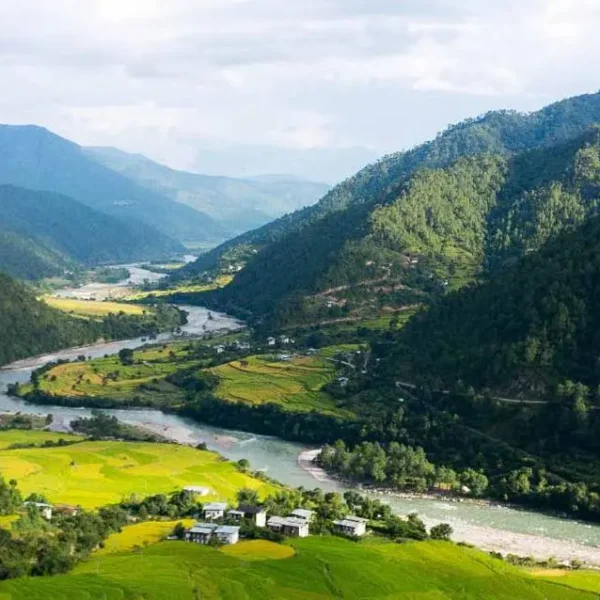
(488, 526)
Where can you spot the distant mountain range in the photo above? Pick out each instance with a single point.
(43, 233)
(101, 205)
(433, 218)
(236, 204)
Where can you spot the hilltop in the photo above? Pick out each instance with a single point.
(35, 158)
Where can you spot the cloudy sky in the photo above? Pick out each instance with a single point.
(172, 78)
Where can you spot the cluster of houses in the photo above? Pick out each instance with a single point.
(296, 524)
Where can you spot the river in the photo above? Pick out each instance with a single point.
(491, 527)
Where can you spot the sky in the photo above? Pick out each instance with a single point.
(352, 79)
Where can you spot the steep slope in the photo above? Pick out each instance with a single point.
(24, 257)
(523, 332)
(35, 158)
(38, 228)
(286, 244)
(30, 327)
(239, 204)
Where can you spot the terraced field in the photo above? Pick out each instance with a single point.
(94, 474)
(320, 568)
(296, 384)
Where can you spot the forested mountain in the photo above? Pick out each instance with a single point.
(237, 204)
(44, 233)
(34, 158)
(29, 326)
(420, 218)
(534, 326)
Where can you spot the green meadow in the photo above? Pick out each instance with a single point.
(320, 568)
(93, 474)
(37, 437)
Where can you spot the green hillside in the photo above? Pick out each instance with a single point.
(501, 132)
(34, 158)
(31, 327)
(440, 230)
(238, 204)
(44, 233)
(26, 258)
(524, 332)
(321, 568)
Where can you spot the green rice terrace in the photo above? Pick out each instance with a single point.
(318, 568)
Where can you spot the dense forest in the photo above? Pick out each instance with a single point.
(532, 327)
(29, 327)
(293, 252)
(440, 230)
(42, 234)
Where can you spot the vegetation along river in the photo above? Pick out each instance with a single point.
(488, 526)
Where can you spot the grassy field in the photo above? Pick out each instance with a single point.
(139, 535)
(27, 436)
(93, 474)
(220, 282)
(93, 308)
(296, 384)
(321, 568)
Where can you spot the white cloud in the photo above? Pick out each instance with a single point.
(166, 78)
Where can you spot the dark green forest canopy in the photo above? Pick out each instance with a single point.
(525, 331)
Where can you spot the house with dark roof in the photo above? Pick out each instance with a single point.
(257, 514)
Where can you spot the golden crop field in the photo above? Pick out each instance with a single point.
(139, 535)
(93, 474)
(251, 550)
(93, 308)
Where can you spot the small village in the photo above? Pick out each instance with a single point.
(222, 525)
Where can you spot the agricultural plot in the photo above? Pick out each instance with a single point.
(296, 384)
(94, 474)
(259, 550)
(140, 535)
(141, 383)
(220, 282)
(93, 308)
(321, 568)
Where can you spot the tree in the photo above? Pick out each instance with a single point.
(247, 496)
(126, 356)
(443, 531)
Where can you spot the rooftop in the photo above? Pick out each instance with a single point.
(215, 506)
(227, 529)
(302, 513)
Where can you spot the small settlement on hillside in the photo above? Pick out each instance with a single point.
(223, 526)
